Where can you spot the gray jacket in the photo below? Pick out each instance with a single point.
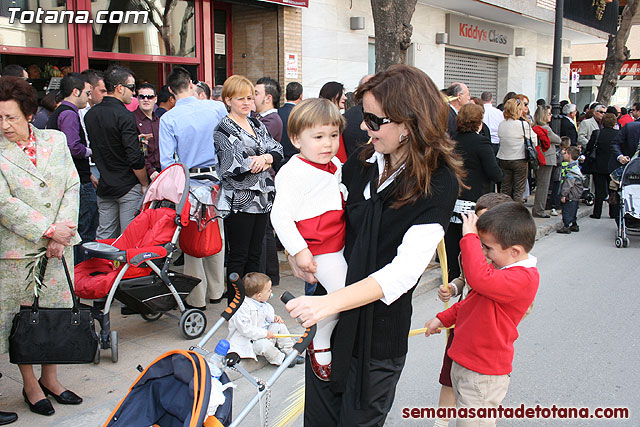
(586, 128)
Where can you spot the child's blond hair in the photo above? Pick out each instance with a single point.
(314, 112)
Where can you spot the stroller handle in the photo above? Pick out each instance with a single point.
(236, 284)
(309, 333)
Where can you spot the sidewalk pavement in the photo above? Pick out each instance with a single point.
(103, 385)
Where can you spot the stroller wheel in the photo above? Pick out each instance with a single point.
(618, 242)
(193, 323)
(151, 317)
(625, 242)
(114, 346)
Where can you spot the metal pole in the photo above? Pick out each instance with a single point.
(557, 65)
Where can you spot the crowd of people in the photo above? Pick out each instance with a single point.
(358, 197)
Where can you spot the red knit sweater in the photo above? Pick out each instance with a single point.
(486, 321)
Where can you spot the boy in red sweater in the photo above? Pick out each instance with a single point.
(486, 321)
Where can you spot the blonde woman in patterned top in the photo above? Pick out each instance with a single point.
(245, 153)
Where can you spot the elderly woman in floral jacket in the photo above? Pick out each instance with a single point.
(38, 212)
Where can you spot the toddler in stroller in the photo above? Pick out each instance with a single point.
(134, 268)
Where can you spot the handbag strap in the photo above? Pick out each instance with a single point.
(524, 135)
(43, 268)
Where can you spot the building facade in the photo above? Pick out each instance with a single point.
(497, 46)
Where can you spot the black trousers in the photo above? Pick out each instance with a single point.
(601, 183)
(452, 243)
(244, 233)
(269, 263)
(323, 408)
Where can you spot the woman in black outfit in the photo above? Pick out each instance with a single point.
(482, 171)
(402, 188)
(602, 142)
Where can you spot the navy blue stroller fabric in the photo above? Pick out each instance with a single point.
(166, 394)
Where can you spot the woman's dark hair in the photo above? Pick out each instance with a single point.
(332, 91)
(508, 96)
(609, 120)
(50, 101)
(19, 90)
(407, 95)
(469, 118)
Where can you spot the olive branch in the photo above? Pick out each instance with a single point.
(33, 267)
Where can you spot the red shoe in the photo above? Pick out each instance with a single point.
(322, 372)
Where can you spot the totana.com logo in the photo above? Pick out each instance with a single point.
(41, 16)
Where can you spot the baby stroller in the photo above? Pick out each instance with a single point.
(134, 268)
(629, 192)
(175, 389)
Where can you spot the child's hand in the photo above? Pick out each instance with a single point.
(270, 335)
(443, 293)
(433, 326)
(469, 221)
(305, 261)
(277, 319)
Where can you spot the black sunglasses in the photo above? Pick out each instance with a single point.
(146, 96)
(374, 122)
(131, 87)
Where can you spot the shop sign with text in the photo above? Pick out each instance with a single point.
(471, 33)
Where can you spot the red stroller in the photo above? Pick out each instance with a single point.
(134, 268)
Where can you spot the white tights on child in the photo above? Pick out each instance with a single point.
(331, 273)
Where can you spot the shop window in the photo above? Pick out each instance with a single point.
(372, 56)
(25, 31)
(169, 29)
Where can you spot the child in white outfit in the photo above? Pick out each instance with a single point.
(253, 328)
(308, 211)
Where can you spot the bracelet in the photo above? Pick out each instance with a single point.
(264, 156)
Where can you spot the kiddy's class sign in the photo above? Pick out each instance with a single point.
(467, 32)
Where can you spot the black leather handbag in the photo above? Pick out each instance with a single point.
(53, 335)
(530, 151)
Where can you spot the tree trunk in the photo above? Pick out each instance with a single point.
(617, 53)
(392, 24)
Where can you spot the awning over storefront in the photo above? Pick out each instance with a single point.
(596, 68)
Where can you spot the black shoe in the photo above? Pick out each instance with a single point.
(574, 228)
(67, 397)
(215, 300)
(42, 407)
(189, 307)
(543, 215)
(594, 217)
(564, 230)
(8, 417)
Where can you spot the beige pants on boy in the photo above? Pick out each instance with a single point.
(274, 350)
(474, 390)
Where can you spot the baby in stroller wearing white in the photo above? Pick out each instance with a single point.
(254, 328)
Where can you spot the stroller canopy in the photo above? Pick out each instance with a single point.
(172, 392)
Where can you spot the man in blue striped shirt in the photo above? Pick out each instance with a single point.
(186, 136)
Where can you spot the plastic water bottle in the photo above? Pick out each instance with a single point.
(216, 359)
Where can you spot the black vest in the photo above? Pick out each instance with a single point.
(82, 165)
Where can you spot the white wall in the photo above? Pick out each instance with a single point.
(331, 51)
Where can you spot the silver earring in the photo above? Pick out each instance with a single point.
(403, 139)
